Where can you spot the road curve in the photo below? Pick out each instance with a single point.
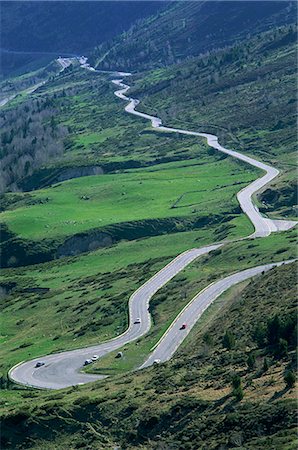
(63, 369)
(63, 62)
(174, 336)
(263, 226)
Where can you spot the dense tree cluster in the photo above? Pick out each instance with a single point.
(30, 137)
(277, 334)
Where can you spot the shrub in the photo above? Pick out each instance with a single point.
(236, 381)
(281, 349)
(228, 340)
(237, 391)
(273, 330)
(208, 339)
(259, 334)
(238, 394)
(290, 378)
(251, 361)
(265, 365)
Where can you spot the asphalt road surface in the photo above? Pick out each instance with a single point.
(64, 62)
(63, 369)
(263, 226)
(175, 335)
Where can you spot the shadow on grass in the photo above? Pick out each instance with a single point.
(279, 394)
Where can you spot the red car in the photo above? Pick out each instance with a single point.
(183, 326)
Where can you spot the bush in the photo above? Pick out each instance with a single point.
(265, 365)
(208, 339)
(290, 378)
(273, 330)
(259, 334)
(251, 361)
(236, 381)
(281, 349)
(237, 391)
(228, 340)
(238, 394)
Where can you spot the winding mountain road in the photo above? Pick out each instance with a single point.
(64, 63)
(63, 369)
(263, 226)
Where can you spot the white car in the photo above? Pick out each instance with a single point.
(138, 320)
(156, 361)
(94, 357)
(88, 361)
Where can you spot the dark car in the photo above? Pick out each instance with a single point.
(183, 326)
(39, 364)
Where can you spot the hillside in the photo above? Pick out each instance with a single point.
(95, 202)
(189, 402)
(35, 32)
(245, 94)
(92, 135)
(187, 29)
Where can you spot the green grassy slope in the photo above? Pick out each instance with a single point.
(166, 190)
(188, 402)
(245, 95)
(167, 173)
(159, 195)
(86, 297)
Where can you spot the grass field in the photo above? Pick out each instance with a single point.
(195, 385)
(78, 301)
(87, 296)
(167, 190)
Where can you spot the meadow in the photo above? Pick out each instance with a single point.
(83, 300)
(78, 301)
(167, 190)
(85, 297)
(194, 386)
(243, 94)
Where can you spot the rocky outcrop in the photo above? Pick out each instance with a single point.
(84, 243)
(77, 172)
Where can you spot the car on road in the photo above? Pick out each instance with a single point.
(183, 326)
(156, 361)
(39, 364)
(138, 320)
(94, 358)
(87, 362)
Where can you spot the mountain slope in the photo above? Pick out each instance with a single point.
(29, 30)
(231, 384)
(187, 29)
(245, 94)
(189, 402)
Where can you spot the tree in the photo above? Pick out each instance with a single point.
(265, 364)
(53, 124)
(273, 330)
(238, 394)
(259, 334)
(290, 379)
(237, 391)
(281, 349)
(207, 338)
(236, 381)
(228, 340)
(251, 361)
